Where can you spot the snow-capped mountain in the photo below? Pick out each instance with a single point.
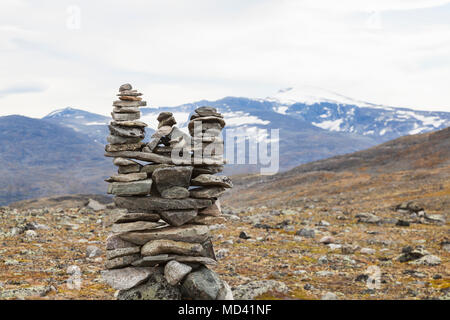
(314, 123)
(91, 124)
(309, 95)
(334, 112)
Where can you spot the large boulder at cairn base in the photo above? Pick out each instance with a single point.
(203, 284)
(254, 289)
(156, 288)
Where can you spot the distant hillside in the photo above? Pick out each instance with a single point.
(88, 123)
(416, 162)
(313, 123)
(39, 158)
(426, 150)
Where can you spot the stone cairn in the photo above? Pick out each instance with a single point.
(160, 246)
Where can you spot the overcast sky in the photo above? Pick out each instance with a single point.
(57, 53)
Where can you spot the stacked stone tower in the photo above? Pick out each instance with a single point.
(166, 196)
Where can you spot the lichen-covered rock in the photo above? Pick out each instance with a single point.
(175, 271)
(207, 192)
(169, 177)
(135, 226)
(178, 217)
(156, 288)
(134, 188)
(121, 262)
(175, 193)
(203, 284)
(187, 233)
(157, 247)
(252, 290)
(211, 180)
(126, 278)
(154, 203)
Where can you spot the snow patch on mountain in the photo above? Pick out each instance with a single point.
(331, 125)
(240, 118)
(96, 123)
(310, 95)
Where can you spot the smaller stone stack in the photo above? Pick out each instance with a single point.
(126, 134)
(205, 127)
(126, 131)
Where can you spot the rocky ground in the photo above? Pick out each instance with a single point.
(319, 248)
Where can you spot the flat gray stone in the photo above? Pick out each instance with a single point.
(211, 180)
(93, 251)
(131, 109)
(116, 253)
(134, 168)
(125, 87)
(122, 215)
(167, 122)
(306, 233)
(127, 132)
(153, 203)
(208, 220)
(125, 116)
(135, 188)
(213, 210)
(157, 247)
(178, 217)
(175, 193)
(95, 205)
(122, 104)
(225, 292)
(169, 177)
(124, 147)
(129, 93)
(175, 271)
(150, 168)
(135, 226)
(123, 162)
(126, 278)
(203, 284)
(155, 288)
(130, 177)
(207, 192)
(129, 123)
(205, 169)
(252, 290)
(329, 296)
(115, 242)
(150, 261)
(186, 233)
(164, 115)
(121, 262)
(121, 140)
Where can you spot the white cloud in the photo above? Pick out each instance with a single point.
(180, 51)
